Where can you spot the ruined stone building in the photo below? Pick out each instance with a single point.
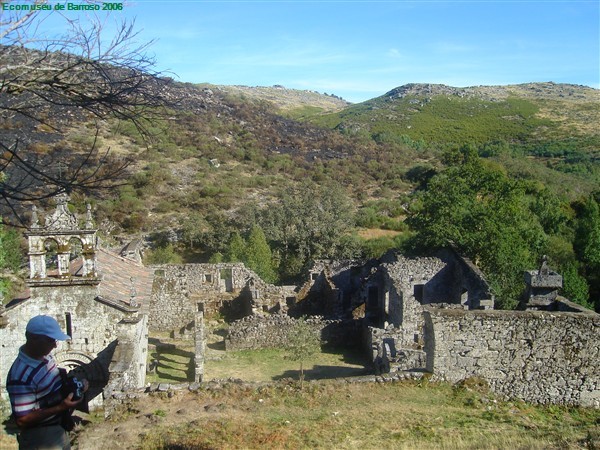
(409, 315)
(435, 315)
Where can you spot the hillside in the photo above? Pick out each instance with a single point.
(219, 160)
(526, 113)
(293, 102)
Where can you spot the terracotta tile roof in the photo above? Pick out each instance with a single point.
(118, 274)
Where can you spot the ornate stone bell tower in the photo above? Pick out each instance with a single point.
(59, 238)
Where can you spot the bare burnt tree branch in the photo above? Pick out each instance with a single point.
(47, 82)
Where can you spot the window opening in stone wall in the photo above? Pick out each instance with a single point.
(227, 276)
(69, 322)
(208, 278)
(314, 276)
(418, 292)
(373, 300)
(51, 248)
(76, 261)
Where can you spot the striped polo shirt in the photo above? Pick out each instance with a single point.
(29, 380)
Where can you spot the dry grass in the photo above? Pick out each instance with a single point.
(384, 416)
(376, 233)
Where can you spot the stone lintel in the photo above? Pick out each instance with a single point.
(118, 305)
(67, 281)
(44, 232)
(539, 300)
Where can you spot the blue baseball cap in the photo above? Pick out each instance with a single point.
(46, 326)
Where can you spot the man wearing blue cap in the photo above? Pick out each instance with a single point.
(33, 378)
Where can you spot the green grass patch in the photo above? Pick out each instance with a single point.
(272, 364)
(172, 360)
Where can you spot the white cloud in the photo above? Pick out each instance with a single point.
(394, 53)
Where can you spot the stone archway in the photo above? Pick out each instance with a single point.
(82, 365)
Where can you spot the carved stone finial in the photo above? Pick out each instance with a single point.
(35, 221)
(132, 293)
(62, 219)
(544, 270)
(89, 223)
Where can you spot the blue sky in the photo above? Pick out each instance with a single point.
(362, 49)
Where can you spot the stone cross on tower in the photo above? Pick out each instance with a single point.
(61, 166)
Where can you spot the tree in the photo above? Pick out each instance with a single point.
(309, 222)
(10, 260)
(474, 207)
(163, 254)
(258, 256)
(303, 342)
(45, 79)
(254, 252)
(587, 244)
(192, 229)
(575, 287)
(236, 250)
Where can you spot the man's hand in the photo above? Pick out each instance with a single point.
(69, 403)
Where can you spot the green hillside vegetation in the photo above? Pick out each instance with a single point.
(443, 120)
(224, 169)
(558, 125)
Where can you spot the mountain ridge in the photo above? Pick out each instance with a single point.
(548, 90)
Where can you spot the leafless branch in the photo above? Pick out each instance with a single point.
(47, 82)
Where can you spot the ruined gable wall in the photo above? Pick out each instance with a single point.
(471, 282)
(401, 306)
(539, 357)
(178, 289)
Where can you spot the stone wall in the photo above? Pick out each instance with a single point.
(403, 285)
(539, 357)
(128, 366)
(271, 331)
(228, 289)
(334, 289)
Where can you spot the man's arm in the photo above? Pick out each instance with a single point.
(38, 415)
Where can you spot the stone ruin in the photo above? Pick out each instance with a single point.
(416, 315)
(543, 286)
(409, 315)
